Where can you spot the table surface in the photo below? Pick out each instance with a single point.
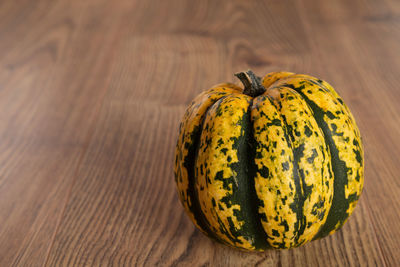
(91, 95)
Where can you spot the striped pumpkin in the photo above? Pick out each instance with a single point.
(274, 165)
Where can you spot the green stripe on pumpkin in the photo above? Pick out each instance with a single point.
(342, 137)
(312, 172)
(223, 184)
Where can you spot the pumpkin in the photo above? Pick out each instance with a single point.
(274, 165)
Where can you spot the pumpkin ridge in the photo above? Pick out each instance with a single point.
(273, 145)
(225, 235)
(337, 215)
(297, 154)
(188, 128)
(204, 224)
(189, 164)
(261, 236)
(310, 153)
(297, 206)
(226, 204)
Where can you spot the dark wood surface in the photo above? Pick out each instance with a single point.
(91, 95)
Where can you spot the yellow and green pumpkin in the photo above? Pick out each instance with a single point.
(274, 165)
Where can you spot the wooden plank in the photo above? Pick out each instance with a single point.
(47, 114)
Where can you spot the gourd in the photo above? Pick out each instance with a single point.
(274, 165)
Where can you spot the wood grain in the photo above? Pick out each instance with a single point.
(91, 95)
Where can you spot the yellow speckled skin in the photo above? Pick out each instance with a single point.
(293, 157)
(313, 161)
(275, 170)
(190, 123)
(215, 155)
(274, 181)
(341, 127)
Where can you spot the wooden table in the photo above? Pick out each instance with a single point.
(91, 95)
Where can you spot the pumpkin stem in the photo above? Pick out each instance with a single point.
(252, 83)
